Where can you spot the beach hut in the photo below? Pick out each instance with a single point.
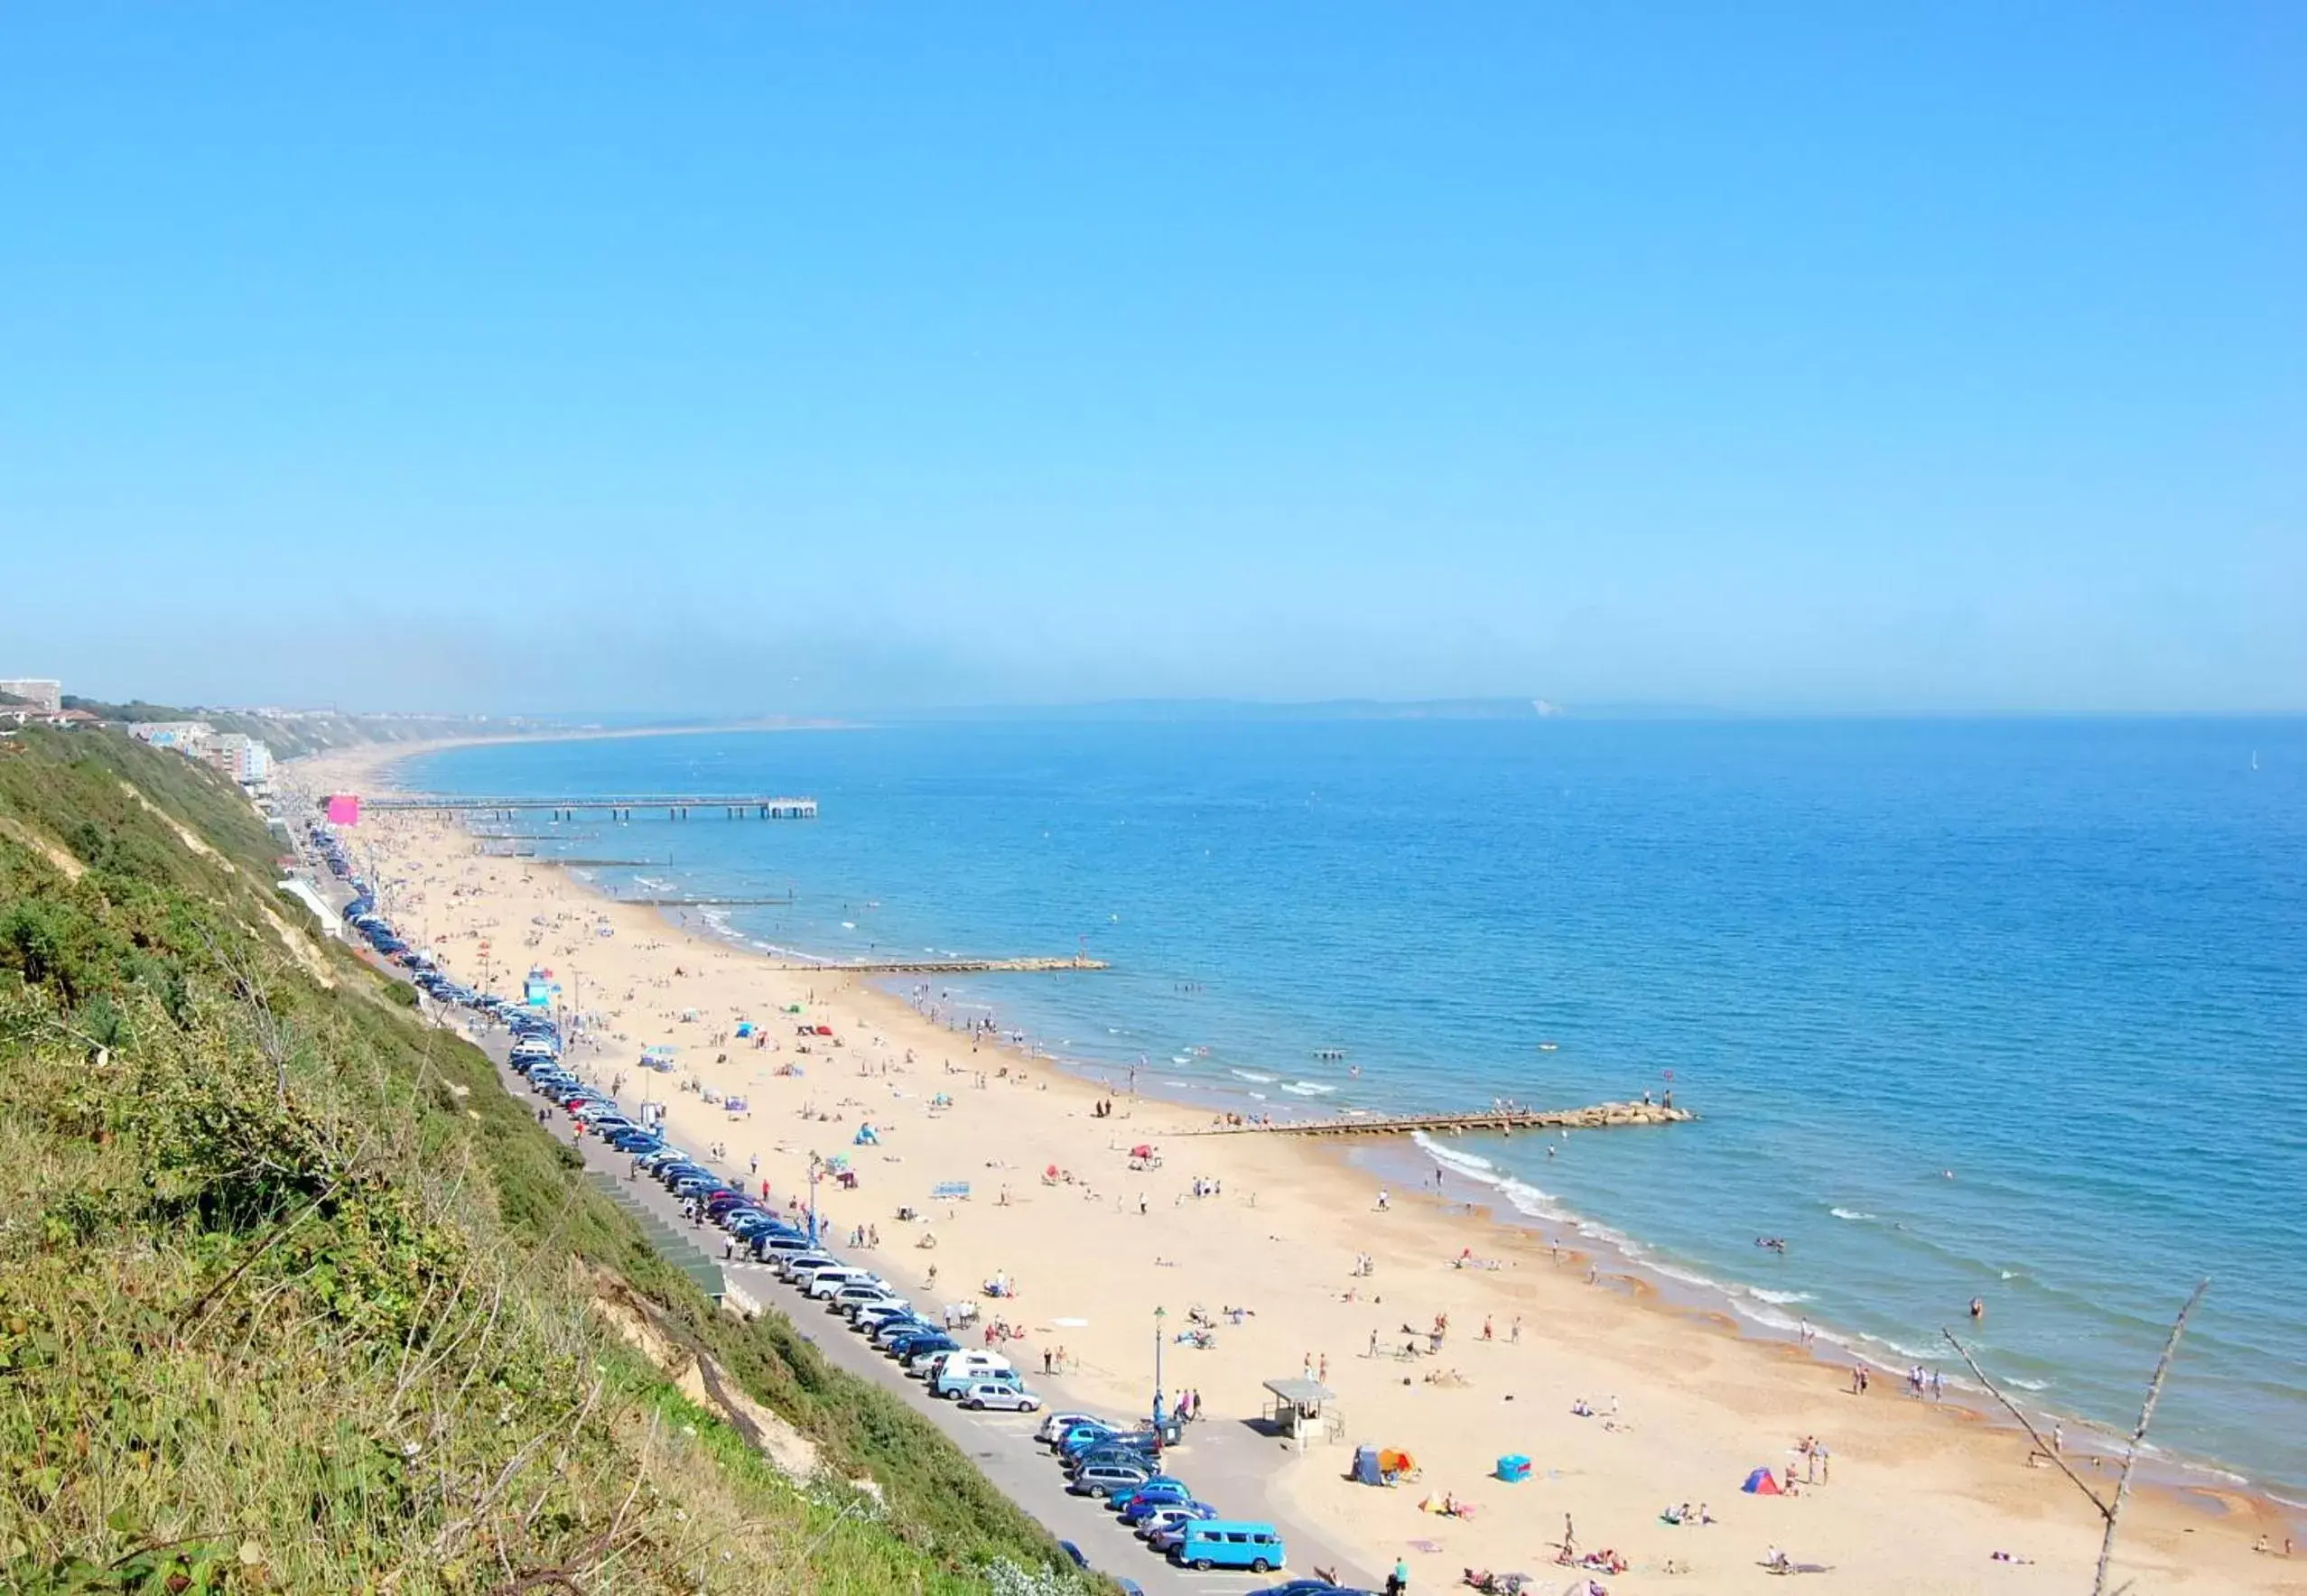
(1761, 1482)
(1300, 1405)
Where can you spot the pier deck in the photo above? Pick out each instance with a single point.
(1504, 1120)
(618, 805)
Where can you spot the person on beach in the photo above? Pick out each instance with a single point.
(1398, 1581)
(1384, 1202)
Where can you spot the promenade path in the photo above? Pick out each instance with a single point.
(1228, 1463)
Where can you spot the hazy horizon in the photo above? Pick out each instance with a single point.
(796, 361)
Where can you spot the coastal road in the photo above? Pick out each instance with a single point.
(1229, 1465)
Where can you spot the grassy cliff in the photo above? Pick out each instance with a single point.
(292, 1297)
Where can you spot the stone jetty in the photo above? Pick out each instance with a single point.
(1505, 1121)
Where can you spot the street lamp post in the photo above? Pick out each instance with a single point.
(1159, 1314)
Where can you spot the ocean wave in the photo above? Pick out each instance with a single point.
(1849, 1213)
(1521, 1196)
(1308, 1088)
(2024, 1384)
(1470, 1162)
(1253, 1076)
(1179, 1058)
(1783, 1298)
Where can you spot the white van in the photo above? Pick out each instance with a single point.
(966, 1364)
(825, 1282)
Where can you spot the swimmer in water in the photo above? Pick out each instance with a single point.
(1978, 1307)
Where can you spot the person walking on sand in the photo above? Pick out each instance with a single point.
(1398, 1581)
(1384, 1202)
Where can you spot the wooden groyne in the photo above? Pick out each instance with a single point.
(1601, 1116)
(939, 966)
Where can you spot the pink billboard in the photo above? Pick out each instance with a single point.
(344, 809)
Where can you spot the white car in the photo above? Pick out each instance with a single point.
(987, 1394)
(1057, 1423)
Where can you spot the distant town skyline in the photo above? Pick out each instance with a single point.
(796, 361)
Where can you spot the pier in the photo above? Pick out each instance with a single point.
(937, 966)
(1505, 1121)
(617, 806)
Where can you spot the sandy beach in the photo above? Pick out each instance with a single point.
(1908, 1495)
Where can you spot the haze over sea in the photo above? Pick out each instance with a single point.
(2063, 962)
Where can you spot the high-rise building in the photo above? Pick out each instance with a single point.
(242, 757)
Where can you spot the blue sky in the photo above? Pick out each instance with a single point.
(773, 357)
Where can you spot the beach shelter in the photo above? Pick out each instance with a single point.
(1365, 1466)
(1142, 1150)
(1761, 1482)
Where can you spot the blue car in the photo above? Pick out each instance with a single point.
(1119, 1491)
(1151, 1496)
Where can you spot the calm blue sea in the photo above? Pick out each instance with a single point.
(2015, 1010)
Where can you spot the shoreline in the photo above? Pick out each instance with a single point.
(1337, 1187)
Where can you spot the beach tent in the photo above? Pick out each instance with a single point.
(1390, 1461)
(1142, 1150)
(1761, 1482)
(1365, 1467)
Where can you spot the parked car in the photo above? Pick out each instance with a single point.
(1116, 1495)
(1157, 1492)
(1099, 1477)
(1053, 1427)
(860, 1293)
(916, 1352)
(957, 1377)
(1175, 1517)
(1132, 1456)
(955, 1362)
(980, 1394)
(1142, 1443)
(829, 1283)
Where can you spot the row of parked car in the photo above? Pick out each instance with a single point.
(361, 915)
(1119, 1465)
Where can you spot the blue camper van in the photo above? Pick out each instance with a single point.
(1226, 1543)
